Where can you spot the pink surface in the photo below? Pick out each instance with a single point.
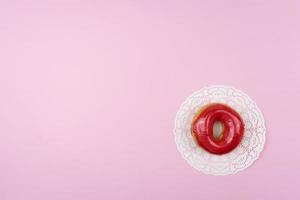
(89, 92)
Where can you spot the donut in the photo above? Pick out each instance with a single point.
(222, 117)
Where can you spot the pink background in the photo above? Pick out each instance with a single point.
(89, 92)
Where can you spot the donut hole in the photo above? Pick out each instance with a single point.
(218, 130)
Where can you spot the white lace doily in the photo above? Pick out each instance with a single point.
(244, 154)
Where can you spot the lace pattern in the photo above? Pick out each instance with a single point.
(244, 154)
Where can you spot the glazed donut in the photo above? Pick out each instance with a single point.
(232, 128)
